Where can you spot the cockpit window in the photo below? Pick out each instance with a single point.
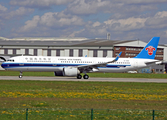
(10, 60)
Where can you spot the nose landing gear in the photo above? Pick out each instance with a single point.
(21, 75)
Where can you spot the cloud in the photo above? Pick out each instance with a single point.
(21, 11)
(142, 1)
(162, 14)
(128, 28)
(118, 7)
(0, 25)
(113, 26)
(73, 34)
(96, 24)
(91, 29)
(125, 24)
(2, 8)
(31, 24)
(86, 7)
(39, 3)
(73, 26)
(158, 21)
(51, 21)
(86, 18)
(165, 32)
(60, 20)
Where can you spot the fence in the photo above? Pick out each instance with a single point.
(85, 114)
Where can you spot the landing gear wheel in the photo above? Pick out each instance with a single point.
(21, 75)
(79, 76)
(85, 76)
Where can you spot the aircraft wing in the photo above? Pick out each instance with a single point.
(95, 66)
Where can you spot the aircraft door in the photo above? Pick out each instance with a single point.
(22, 64)
(21, 59)
(54, 61)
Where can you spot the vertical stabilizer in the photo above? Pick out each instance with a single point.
(150, 49)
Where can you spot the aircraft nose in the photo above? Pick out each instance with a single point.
(3, 65)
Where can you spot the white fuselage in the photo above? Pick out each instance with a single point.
(41, 63)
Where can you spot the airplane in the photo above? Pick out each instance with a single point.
(74, 66)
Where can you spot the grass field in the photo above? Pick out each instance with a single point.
(71, 94)
(74, 100)
(16, 96)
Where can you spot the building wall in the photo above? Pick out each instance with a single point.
(2, 51)
(64, 52)
(100, 53)
(129, 49)
(75, 52)
(165, 53)
(85, 52)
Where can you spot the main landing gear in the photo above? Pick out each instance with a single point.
(21, 75)
(80, 76)
(85, 76)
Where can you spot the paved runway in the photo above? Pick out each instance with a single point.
(90, 79)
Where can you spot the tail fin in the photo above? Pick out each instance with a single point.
(150, 49)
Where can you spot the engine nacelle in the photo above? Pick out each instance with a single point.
(71, 71)
(68, 71)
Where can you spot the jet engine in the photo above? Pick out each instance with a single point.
(68, 71)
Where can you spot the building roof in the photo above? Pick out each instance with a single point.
(61, 42)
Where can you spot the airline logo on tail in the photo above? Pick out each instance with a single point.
(150, 50)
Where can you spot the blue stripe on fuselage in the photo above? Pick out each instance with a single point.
(16, 65)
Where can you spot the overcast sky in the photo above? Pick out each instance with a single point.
(123, 19)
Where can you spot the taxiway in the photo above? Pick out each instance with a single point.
(90, 79)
